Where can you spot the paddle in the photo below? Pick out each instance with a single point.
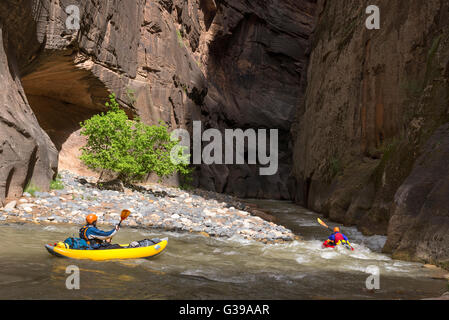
(326, 226)
(125, 214)
(322, 223)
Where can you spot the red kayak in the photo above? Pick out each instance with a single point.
(329, 244)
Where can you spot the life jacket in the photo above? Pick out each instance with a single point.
(83, 232)
(83, 235)
(338, 237)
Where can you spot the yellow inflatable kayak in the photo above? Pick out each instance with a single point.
(125, 252)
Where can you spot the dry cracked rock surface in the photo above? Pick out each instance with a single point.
(152, 207)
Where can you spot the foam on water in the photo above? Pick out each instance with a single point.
(328, 255)
(230, 253)
(308, 254)
(301, 259)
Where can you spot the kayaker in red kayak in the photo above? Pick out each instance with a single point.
(336, 239)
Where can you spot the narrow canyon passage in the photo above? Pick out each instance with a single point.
(362, 117)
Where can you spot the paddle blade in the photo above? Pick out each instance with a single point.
(125, 214)
(322, 223)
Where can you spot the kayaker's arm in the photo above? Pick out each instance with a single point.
(346, 239)
(94, 233)
(347, 242)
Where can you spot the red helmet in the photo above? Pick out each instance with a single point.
(91, 218)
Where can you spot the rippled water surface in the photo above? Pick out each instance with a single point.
(195, 267)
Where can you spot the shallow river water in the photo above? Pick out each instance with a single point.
(196, 267)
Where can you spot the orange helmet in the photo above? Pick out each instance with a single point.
(336, 229)
(91, 218)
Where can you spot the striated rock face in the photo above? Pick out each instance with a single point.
(421, 206)
(230, 64)
(27, 155)
(374, 98)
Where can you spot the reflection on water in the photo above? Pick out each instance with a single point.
(195, 267)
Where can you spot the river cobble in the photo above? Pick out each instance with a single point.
(152, 206)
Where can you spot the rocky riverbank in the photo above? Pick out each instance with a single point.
(152, 206)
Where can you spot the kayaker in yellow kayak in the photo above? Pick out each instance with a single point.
(78, 248)
(94, 237)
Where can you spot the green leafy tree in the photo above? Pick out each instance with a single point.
(129, 147)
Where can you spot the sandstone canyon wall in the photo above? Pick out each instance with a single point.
(362, 154)
(27, 155)
(229, 64)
